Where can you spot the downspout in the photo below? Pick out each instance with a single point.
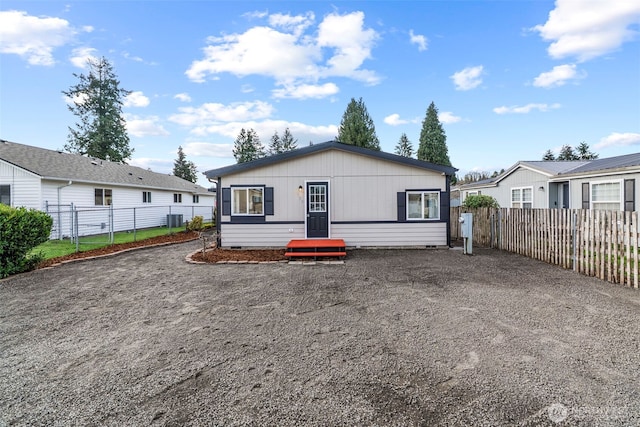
(219, 211)
(59, 207)
(448, 188)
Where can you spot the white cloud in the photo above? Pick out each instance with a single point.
(208, 149)
(150, 163)
(145, 126)
(525, 109)
(558, 76)
(291, 52)
(34, 38)
(418, 39)
(395, 120)
(617, 139)
(586, 30)
(296, 24)
(77, 99)
(469, 78)
(306, 91)
(184, 97)
(448, 117)
(265, 129)
(81, 56)
(213, 113)
(136, 99)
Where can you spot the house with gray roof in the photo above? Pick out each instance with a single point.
(43, 179)
(333, 190)
(607, 183)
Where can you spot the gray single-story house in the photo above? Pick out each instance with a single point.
(333, 190)
(49, 180)
(608, 183)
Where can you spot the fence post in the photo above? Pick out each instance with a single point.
(75, 215)
(574, 239)
(134, 224)
(169, 220)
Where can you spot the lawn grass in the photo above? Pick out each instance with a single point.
(57, 248)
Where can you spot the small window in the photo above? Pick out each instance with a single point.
(247, 200)
(196, 198)
(177, 197)
(103, 196)
(522, 197)
(5, 195)
(606, 195)
(423, 205)
(146, 197)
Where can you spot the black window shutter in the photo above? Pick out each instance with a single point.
(268, 200)
(402, 206)
(444, 206)
(630, 195)
(585, 195)
(226, 201)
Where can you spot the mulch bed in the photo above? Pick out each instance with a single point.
(260, 255)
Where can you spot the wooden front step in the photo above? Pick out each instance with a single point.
(316, 248)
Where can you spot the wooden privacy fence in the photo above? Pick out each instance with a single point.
(602, 244)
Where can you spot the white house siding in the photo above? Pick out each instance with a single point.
(521, 177)
(391, 234)
(25, 186)
(94, 219)
(362, 189)
(575, 186)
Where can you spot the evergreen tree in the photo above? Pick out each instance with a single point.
(404, 147)
(97, 101)
(584, 152)
(433, 140)
(275, 146)
(247, 146)
(357, 128)
(184, 168)
(567, 153)
(288, 141)
(548, 156)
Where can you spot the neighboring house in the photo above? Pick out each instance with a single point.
(46, 180)
(333, 190)
(588, 184)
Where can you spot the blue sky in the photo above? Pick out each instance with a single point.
(510, 79)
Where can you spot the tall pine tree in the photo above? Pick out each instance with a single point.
(357, 128)
(584, 152)
(275, 146)
(184, 168)
(97, 101)
(433, 140)
(404, 147)
(288, 141)
(247, 146)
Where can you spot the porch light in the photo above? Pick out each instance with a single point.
(300, 189)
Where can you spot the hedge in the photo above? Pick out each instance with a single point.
(21, 230)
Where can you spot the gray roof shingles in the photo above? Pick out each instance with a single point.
(52, 164)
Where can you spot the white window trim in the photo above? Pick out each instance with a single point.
(521, 194)
(104, 196)
(246, 188)
(620, 200)
(177, 197)
(422, 207)
(146, 197)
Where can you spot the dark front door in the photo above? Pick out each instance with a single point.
(317, 209)
(565, 196)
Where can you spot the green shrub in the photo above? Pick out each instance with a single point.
(480, 201)
(21, 230)
(196, 223)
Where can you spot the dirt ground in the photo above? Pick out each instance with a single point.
(415, 337)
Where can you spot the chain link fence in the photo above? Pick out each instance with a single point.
(100, 223)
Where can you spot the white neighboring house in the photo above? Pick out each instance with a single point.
(332, 190)
(608, 183)
(49, 180)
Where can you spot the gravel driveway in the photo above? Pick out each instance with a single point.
(416, 337)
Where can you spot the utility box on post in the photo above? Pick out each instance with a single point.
(466, 227)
